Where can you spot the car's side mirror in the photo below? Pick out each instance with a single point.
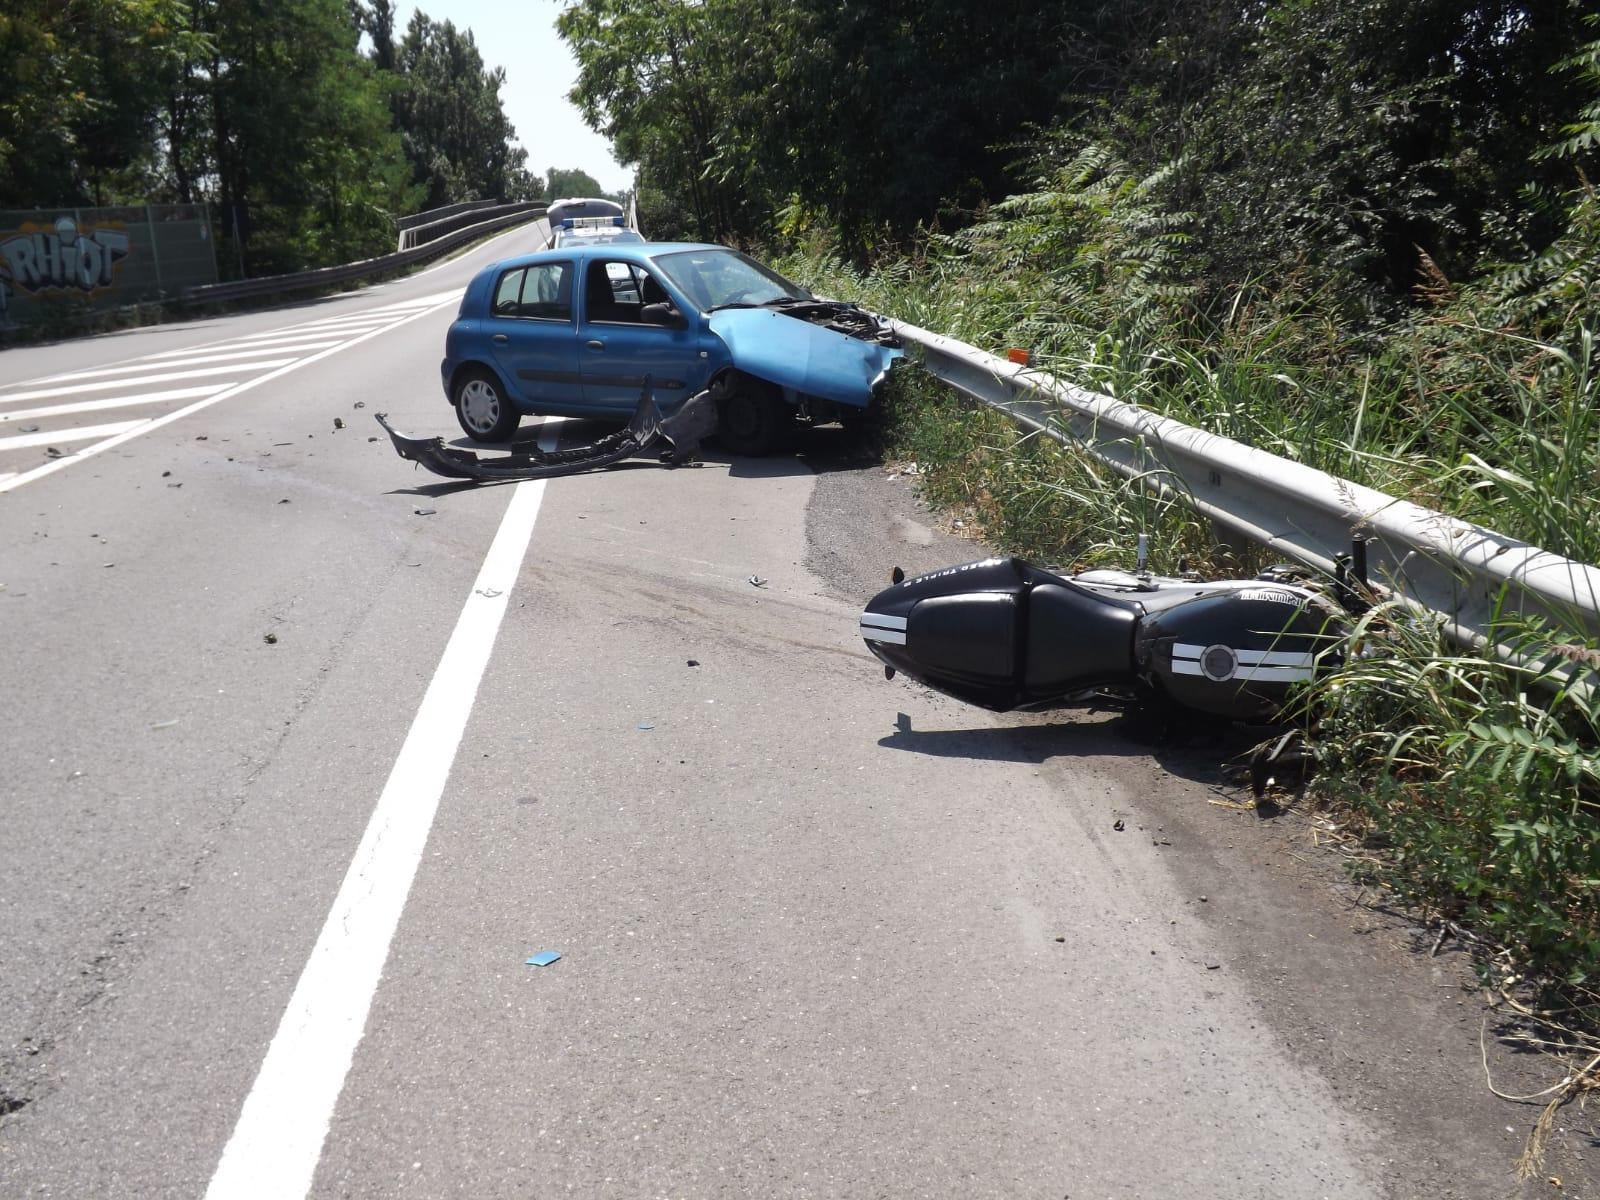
(662, 314)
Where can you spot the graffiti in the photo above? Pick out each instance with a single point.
(37, 258)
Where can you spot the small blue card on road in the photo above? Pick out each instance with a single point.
(544, 958)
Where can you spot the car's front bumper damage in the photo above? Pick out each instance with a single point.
(676, 437)
(823, 349)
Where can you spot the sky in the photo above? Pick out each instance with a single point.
(540, 71)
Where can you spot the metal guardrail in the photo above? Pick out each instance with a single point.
(429, 231)
(1462, 571)
(438, 214)
(301, 281)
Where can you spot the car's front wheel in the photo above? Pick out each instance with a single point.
(752, 418)
(483, 409)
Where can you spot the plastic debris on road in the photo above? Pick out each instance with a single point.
(757, 581)
(542, 959)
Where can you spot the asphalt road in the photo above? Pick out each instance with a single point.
(306, 753)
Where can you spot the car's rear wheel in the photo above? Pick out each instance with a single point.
(752, 418)
(482, 408)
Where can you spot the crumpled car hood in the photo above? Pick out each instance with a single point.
(796, 354)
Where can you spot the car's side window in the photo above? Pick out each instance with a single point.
(507, 293)
(547, 292)
(617, 292)
(542, 291)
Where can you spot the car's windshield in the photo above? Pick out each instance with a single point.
(717, 278)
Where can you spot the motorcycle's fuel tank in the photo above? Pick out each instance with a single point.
(1236, 653)
(1003, 634)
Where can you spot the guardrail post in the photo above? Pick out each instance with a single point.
(155, 251)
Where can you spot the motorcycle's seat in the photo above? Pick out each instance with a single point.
(1077, 638)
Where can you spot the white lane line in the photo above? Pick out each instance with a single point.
(83, 406)
(212, 354)
(86, 433)
(421, 301)
(166, 419)
(107, 385)
(361, 318)
(136, 367)
(278, 1140)
(335, 328)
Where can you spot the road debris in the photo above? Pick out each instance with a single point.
(338, 422)
(757, 581)
(694, 662)
(54, 452)
(425, 512)
(645, 726)
(164, 724)
(1118, 825)
(270, 639)
(542, 959)
(28, 428)
(675, 438)
(490, 593)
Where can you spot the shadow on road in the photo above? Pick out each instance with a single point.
(1199, 753)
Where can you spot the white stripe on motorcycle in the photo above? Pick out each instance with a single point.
(887, 636)
(883, 620)
(1247, 674)
(1266, 658)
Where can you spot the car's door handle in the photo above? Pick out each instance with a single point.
(595, 345)
(500, 338)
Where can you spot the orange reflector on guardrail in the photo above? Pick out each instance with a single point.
(1020, 357)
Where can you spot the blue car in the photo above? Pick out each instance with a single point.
(575, 331)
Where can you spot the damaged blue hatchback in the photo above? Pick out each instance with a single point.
(576, 331)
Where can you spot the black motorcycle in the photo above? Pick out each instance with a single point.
(1005, 635)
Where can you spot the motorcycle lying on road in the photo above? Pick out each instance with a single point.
(1005, 635)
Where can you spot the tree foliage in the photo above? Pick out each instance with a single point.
(307, 146)
(448, 109)
(1363, 148)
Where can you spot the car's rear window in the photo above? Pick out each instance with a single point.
(542, 291)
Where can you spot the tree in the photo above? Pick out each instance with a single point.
(448, 110)
(81, 87)
(308, 168)
(559, 183)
